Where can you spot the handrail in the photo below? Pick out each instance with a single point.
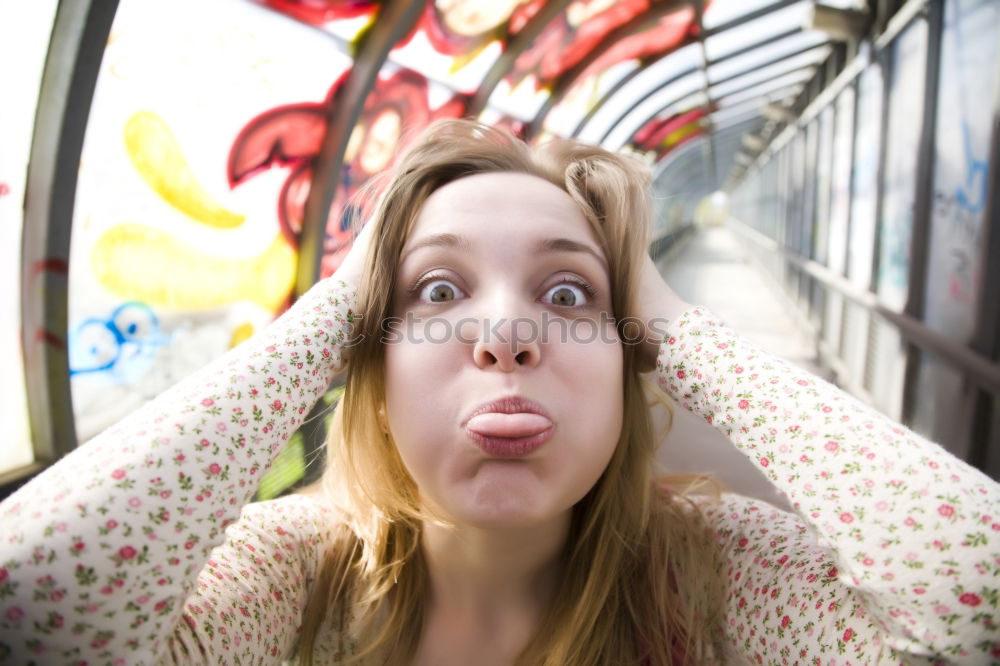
(978, 368)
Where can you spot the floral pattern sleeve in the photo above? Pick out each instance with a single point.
(100, 551)
(893, 554)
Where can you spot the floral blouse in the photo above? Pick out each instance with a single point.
(140, 547)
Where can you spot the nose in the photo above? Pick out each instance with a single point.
(507, 341)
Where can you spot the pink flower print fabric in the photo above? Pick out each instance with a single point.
(892, 556)
(132, 549)
(100, 551)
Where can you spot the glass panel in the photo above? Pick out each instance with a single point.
(678, 187)
(456, 43)
(724, 11)
(775, 88)
(522, 102)
(736, 113)
(766, 53)
(969, 58)
(906, 94)
(779, 69)
(345, 19)
(865, 184)
(861, 242)
(23, 41)
(663, 101)
(581, 98)
(840, 201)
(569, 37)
(660, 136)
(774, 23)
(840, 185)
(824, 167)
(665, 34)
(190, 193)
(651, 78)
(906, 97)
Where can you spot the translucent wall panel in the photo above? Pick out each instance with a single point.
(840, 201)
(347, 19)
(906, 94)
(569, 37)
(969, 60)
(661, 37)
(584, 96)
(772, 24)
(861, 242)
(184, 232)
(24, 42)
(684, 60)
(765, 54)
(865, 183)
(457, 42)
(663, 102)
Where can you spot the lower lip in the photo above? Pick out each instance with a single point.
(495, 445)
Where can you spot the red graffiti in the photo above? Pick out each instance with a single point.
(292, 136)
(464, 28)
(4, 189)
(662, 135)
(43, 335)
(319, 12)
(586, 24)
(52, 264)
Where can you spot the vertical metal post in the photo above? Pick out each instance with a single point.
(986, 339)
(79, 34)
(395, 20)
(923, 202)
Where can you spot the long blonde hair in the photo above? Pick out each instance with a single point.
(641, 579)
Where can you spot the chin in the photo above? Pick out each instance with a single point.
(505, 508)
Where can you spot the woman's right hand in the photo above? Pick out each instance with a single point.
(353, 266)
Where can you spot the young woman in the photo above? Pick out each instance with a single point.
(490, 495)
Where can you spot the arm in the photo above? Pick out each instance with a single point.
(894, 537)
(101, 549)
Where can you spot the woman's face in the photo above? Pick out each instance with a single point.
(504, 368)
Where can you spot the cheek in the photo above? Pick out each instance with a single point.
(594, 375)
(417, 410)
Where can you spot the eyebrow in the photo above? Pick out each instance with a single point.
(437, 240)
(545, 245)
(567, 245)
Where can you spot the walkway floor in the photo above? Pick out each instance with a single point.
(713, 267)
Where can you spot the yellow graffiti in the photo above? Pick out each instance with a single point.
(681, 133)
(158, 158)
(242, 332)
(137, 262)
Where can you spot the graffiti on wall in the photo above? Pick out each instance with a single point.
(290, 137)
(660, 136)
(961, 170)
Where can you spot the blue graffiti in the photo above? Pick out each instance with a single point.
(124, 344)
(971, 196)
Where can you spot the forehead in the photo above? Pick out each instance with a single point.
(517, 204)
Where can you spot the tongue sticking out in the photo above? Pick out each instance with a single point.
(522, 424)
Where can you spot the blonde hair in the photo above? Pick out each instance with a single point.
(641, 579)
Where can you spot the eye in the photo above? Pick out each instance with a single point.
(439, 291)
(135, 321)
(568, 295)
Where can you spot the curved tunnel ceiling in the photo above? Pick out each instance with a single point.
(647, 76)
